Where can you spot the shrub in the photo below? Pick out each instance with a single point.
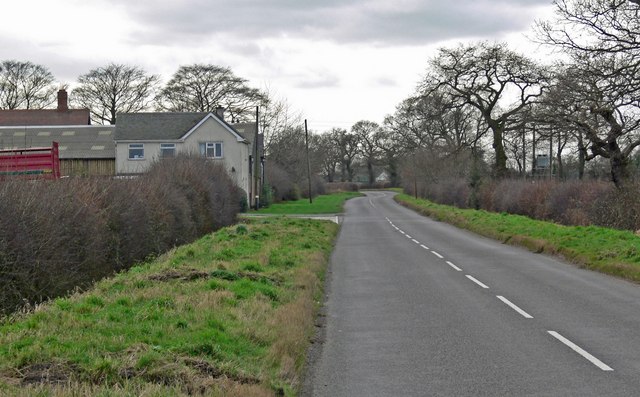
(59, 235)
(569, 202)
(336, 187)
(619, 209)
(283, 187)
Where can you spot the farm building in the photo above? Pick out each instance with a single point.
(84, 149)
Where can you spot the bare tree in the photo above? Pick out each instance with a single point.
(392, 149)
(276, 118)
(443, 123)
(24, 85)
(348, 145)
(595, 26)
(202, 88)
(602, 82)
(112, 89)
(485, 76)
(330, 159)
(407, 127)
(369, 139)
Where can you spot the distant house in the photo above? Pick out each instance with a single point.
(84, 149)
(61, 115)
(142, 138)
(383, 177)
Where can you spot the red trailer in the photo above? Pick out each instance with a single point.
(35, 162)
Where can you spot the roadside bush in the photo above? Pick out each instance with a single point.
(618, 209)
(379, 185)
(336, 187)
(281, 183)
(59, 235)
(49, 240)
(285, 187)
(566, 202)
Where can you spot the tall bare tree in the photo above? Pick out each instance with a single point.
(202, 88)
(276, 118)
(603, 80)
(491, 78)
(24, 85)
(348, 146)
(370, 137)
(439, 122)
(330, 159)
(392, 149)
(115, 88)
(595, 26)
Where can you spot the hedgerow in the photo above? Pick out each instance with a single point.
(56, 236)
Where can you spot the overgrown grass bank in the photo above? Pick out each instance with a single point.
(609, 251)
(230, 314)
(325, 204)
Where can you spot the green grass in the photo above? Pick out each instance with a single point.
(609, 251)
(325, 204)
(230, 314)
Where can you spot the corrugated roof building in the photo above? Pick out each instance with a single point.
(84, 149)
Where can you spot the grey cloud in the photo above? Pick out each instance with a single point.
(351, 21)
(316, 79)
(48, 54)
(385, 82)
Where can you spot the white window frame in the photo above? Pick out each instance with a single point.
(206, 146)
(136, 146)
(166, 147)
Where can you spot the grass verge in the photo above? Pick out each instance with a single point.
(325, 204)
(609, 251)
(231, 314)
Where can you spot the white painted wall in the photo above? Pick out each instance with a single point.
(235, 154)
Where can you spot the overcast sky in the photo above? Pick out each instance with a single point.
(335, 61)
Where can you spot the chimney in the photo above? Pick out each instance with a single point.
(63, 105)
(220, 112)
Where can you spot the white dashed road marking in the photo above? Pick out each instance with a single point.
(456, 268)
(514, 307)
(581, 351)
(477, 282)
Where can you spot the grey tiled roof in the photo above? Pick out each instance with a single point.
(246, 130)
(169, 126)
(75, 142)
(155, 126)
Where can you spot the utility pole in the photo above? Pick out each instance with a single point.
(551, 153)
(534, 161)
(524, 150)
(256, 164)
(306, 138)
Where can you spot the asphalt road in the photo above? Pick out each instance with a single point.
(420, 308)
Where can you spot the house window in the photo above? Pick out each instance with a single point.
(136, 151)
(211, 150)
(167, 150)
